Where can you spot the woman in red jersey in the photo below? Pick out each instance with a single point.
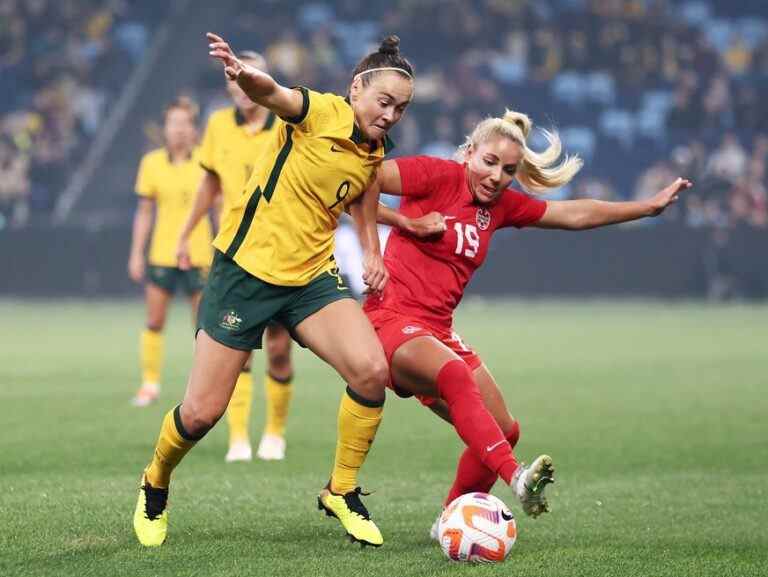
(413, 316)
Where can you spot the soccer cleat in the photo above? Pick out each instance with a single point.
(146, 395)
(271, 448)
(150, 520)
(352, 514)
(530, 482)
(239, 451)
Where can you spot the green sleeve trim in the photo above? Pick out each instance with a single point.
(304, 107)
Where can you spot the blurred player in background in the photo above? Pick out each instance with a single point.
(274, 261)
(166, 184)
(234, 139)
(413, 316)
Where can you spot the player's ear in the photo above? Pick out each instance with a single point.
(355, 88)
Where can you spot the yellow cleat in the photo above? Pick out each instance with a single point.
(530, 483)
(150, 520)
(352, 514)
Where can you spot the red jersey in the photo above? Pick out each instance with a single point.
(428, 276)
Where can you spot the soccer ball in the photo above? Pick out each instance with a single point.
(477, 527)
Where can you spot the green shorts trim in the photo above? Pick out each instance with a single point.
(171, 278)
(237, 306)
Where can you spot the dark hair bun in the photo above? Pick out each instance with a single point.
(390, 45)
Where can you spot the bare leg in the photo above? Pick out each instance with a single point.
(278, 345)
(214, 372)
(152, 345)
(157, 300)
(278, 390)
(355, 352)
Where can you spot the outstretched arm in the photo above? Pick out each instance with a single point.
(583, 214)
(210, 188)
(259, 86)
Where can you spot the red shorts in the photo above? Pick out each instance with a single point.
(394, 330)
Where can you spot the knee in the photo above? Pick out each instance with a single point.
(511, 430)
(198, 419)
(156, 320)
(279, 357)
(371, 378)
(279, 352)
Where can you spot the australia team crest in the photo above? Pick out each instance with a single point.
(230, 321)
(483, 218)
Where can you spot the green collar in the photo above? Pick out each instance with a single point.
(170, 158)
(240, 119)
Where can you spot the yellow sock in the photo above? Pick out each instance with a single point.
(239, 409)
(172, 445)
(151, 356)
(278, 395)
(357, 425)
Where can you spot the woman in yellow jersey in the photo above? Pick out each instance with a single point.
(274, 262)
(166, 185)
(232, 143)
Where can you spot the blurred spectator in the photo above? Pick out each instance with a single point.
(685, 114)
(14, 184)
(444, 144)
(63, 58)
(288, 58)
(597, 188)
(729, 161)
(682, 90)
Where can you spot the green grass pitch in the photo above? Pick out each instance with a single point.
(656, 416)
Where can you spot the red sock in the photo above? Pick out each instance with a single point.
(472, 476)
(475, 425)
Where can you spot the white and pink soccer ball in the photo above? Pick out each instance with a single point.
(477, 527)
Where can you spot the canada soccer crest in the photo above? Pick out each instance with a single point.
(483, 218)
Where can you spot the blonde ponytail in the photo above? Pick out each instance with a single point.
(538, 171)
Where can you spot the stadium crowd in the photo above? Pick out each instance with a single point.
(627, 82)
(65, 60)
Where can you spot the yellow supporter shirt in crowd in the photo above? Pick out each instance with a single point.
(173, 187)
(231, 150)
(281, 229)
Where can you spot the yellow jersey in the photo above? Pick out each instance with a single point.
(173, 187)
(281, 229)
(230, 150)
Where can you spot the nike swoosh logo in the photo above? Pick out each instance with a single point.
(334, 149)
(490, 448)
(507, 515)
